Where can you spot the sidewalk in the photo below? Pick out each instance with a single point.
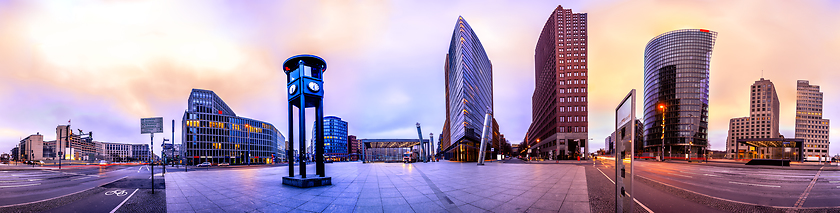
(386, 187)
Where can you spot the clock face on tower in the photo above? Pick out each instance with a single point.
(314, 87)
(292, 89)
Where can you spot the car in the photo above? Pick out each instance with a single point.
(103, 163)
(207, 164)
(224, 164)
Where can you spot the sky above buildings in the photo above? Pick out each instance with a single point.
(106, 64)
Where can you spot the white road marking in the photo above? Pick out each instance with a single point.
(634, 199)
(679, 175)
(13, 186)
(126, 199)
(81, 178)
(834, 181)
(752, 184)
(710, 175)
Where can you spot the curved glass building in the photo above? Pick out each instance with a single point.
(676, 94)
(469, 93)
(211, 132)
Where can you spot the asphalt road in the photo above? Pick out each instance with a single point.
(26, 186)
(770, 187)
(77, 189)
(602, 180)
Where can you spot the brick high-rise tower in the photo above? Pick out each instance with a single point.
(559, 124)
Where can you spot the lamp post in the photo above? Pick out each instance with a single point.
(662, 136)
(690, 139)
(163, 153)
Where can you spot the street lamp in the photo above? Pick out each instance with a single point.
(662, 136)
(690, 139)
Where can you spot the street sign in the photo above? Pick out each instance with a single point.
(151, 125)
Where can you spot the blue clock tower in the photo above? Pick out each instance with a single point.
(304, 77)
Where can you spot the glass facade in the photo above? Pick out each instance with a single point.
(676, 93)
(469, 88)
(213, 133)
(390, 150)
(335, 139)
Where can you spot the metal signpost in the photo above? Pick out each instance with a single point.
(151, 126)
(625, 137)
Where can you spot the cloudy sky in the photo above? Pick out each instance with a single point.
(106, 64)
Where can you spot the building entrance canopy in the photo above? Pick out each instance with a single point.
(771, 148)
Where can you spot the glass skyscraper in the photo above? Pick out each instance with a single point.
(676, 93)
(335, 139)
(469, 94)
(211, 132)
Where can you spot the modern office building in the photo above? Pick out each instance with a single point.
(335, 139)
(140, 152)
(117, 152)
(75, 146)
(212, 132)
(469, 94)
(559, 126)
(353, 147)
(810, 125)
(280, 155)
(676, 91)
(390, 150)
(32, 147)
(763, 121)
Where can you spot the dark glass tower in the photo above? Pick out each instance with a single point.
(676, 94)
(469, 93)
(335, 139)
(211, 132)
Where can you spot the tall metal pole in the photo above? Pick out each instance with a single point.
(290, 146)
(151, 163)
(173, 143)
(420, 135)
(248, 143)
(432, 144)
(484, 135)
(319, 139)
(302, 129)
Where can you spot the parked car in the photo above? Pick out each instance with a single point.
(224, 164)
(204, 164)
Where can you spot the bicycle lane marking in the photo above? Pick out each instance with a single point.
(104, 201)
(123, 202)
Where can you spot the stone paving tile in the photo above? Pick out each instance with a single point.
(368, 209)
(313, 206)
(383, 187)
(486, 204)
(510, 207)
(275, 208)
(467, 208)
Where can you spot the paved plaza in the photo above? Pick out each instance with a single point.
(385, 187)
